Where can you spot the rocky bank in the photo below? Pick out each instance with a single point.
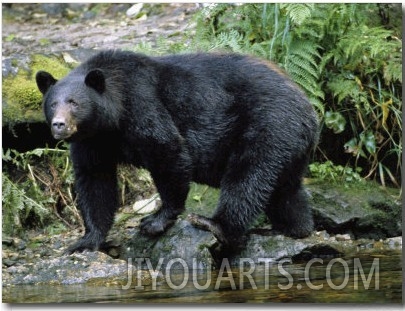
(345, 224)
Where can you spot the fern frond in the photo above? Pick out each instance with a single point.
(12, 197)
(393, 69)
(259, 49)
(319, 106)
(302, 65)
(232, 40)
(298, 12)
(343, 88)
(18, 204)
(371, 42)
(307, 51)
(311, 89)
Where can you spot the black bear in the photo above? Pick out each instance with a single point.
(225, 120)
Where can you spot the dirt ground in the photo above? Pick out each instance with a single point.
(43, 28)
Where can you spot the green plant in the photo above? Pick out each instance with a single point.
(19, 205)
(134, 182)
(329, 172)
(37, 188)
(366, 92)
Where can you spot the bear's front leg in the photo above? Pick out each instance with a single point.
(97, 198)
(97, 195)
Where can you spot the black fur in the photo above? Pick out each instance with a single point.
(224, 120)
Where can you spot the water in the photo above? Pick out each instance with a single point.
(364, 277)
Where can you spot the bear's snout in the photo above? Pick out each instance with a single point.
(61, 128)
(58, 125)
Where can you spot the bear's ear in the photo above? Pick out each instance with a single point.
(44, 81)
(95, 79)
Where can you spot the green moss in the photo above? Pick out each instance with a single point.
(14, 63)
(44, 42)
(202, 199)
(54, 65)
(270, 245)
(21, 97)
(366, 189)
(21, 91)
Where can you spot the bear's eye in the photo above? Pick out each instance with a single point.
(73, 103)
(53, 105)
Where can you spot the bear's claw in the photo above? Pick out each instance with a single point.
(208, 224)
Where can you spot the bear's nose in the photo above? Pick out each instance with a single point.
(58, 125)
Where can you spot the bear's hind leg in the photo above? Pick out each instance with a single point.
(289, 211)
(173, 185)
(245, 191)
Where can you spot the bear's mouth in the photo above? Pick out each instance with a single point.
(64, 133)
(61, 136)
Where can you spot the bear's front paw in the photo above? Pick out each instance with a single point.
(91, 242)
(155, 224)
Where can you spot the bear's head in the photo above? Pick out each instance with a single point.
(72, 105)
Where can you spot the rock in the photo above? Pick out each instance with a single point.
(89, 15)
(343, 237)
(93, 24)
(273, 247)
(134, 10)
(73, 269)
(181, 241)
(12, 65)
(8, 262)
(54, 8)
(7, 241)
(395, 242)
(20, 244)
(193, 245)
(323, 234)
(181, 244)
(365, 211)
(146, 206)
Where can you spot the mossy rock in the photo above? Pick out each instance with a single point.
(180, 241)
(21, 97)
(366, 210)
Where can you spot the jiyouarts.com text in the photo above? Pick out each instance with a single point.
(176, 273)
